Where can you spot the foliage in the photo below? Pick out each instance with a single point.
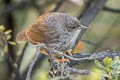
(95, 75)
(103, 33)
(6, 35)
(111, 67)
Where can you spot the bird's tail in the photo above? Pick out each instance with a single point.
(21, 36)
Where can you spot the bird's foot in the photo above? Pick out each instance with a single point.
(69, 52)
(61, 60)
(43, 51)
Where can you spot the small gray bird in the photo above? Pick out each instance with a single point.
(57, 31)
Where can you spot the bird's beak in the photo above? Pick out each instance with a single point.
(83, 27)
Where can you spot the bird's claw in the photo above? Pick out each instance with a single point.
(61, 60)
(69, 52)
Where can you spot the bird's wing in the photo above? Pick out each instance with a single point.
(41, 33)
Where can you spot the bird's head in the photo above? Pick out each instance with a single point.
(73, 23)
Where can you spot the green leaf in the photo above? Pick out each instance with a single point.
(12, 43)
(8, 37)
(107, 61)
(98, 64)
(8, 32)
(2, 28)
(108, 69)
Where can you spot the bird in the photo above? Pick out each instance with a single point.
(56, 30)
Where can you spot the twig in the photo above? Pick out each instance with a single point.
(92, 57)
(92, 11)
(38, 62)
(12, 7)
(86, 57)
(17, 77)
(86, 7)
(77, 59)
(78, 71)
(90, 14)
(36, 56)
(21, 56)
(111, 9)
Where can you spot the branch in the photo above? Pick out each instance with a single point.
(75, 59)
(89, 14)
(78, 71)
(92, 57)
(12, 7)
(17, 77)
(8, 9)
(111, 9)
(36, 56)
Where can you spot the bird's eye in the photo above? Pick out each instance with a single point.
(74, 27)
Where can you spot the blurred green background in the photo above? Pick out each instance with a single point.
(17, 15)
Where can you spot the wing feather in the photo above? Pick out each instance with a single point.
(41, 33)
